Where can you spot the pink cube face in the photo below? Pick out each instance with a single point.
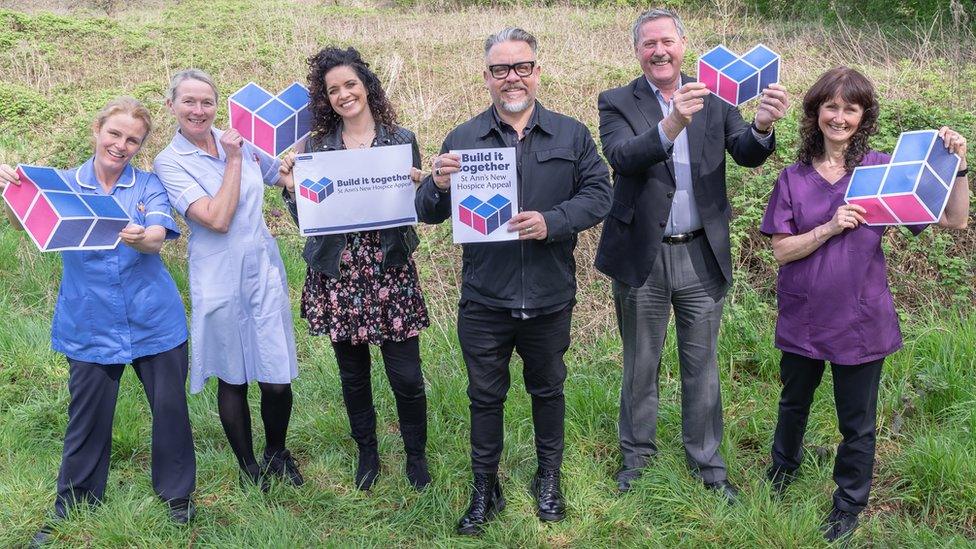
(876, 214)
(728, 89)
(264, 136)
(709, 76)
(464, 215)
(241, 120)
(20, 196)
(909, 209)
(478, 224)
(42, 221)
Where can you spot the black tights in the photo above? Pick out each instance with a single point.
(235, 416)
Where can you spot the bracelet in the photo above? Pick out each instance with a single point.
(962, 172)
(760, 132)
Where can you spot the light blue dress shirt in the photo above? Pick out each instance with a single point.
(118, 305)
(684, 216)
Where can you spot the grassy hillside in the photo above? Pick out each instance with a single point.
(60, 64)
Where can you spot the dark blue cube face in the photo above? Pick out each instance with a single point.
(285, 135)
(932, 192)
(769, 75)
(490, 216)
(943, 163)
(866, 181)
(749, 88)
(303, 123)
(68, 205)
(504, 207)
(913, 146)
(329, 188)
(104, 233)
(70, 234)
(104, 206)
(251, 97)
(47, 179)
(719, 57)
(901, 178)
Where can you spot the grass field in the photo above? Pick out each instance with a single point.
(59, 68)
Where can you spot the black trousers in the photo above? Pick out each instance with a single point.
(402, 362)
(856, 399)
(94, 390)
(487, 339)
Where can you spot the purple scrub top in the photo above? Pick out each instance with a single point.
(835, 303)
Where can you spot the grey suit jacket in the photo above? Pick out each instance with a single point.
(644, 182)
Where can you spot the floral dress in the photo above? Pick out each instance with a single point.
(365, 304)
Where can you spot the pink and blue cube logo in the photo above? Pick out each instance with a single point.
(913, 189)
(485, 216)
(271, 122)
(316, 191)
(57, 218)
(736, 79)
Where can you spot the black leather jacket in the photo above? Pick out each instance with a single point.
(324, 253)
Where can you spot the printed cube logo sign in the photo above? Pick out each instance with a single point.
(485, 216)
(913, 189)
(737, 79)
(57, 218)
(316, 191)
(271, 122)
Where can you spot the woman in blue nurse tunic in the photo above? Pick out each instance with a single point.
(241, 326)
(117, 307)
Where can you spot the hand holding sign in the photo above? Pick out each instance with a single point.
(773, 103)
(529, 225)
(442, 167)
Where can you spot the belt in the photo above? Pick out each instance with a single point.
(681, 238)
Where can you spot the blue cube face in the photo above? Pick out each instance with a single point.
(275, 112)
(902, 178)
(932, 192)
(285, 135)
(329, 188)
(943, 163)
(69, 205)
(759, 56)
(913, 146)
(769, 75)
(303, 123)
(471, 202)
(70, 234)
(104, 206)
(504, 207)
(295, 96)
(719, 57)
(47, 179)
(740, 71)
(866, 181)
(104, 233)
(749, 88)
(251, 97)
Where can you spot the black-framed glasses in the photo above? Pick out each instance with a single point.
(522, 68)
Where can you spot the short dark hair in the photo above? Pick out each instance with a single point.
(324, 119)
(853, 87)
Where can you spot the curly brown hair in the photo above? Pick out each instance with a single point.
(853, 87)
(324, 119)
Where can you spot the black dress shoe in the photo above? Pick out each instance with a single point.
(626, 476)
(839, 525)
(725, 489)
(252, 475)
(486, 502)
(181, 510)
(780, 478)
(42, 537)
(283, 466)
(550, 505)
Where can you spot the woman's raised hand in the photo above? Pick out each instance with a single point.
(232, 142)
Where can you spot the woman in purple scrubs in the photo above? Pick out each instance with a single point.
(832, 290)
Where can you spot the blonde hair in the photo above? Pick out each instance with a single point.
(190, 74)
(124, 105)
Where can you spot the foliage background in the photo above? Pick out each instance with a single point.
(62, 60)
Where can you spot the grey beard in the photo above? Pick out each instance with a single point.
(516, 108)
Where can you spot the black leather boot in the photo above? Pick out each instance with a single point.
(283, 466)
(551, 506)
(253, 475)
(415, 445)
(363, 428)
(486, 502)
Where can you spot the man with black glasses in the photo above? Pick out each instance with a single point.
(519, 294)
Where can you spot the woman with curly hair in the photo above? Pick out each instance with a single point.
(362, 288)
(832, 291)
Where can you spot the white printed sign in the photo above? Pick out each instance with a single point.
(484, 195)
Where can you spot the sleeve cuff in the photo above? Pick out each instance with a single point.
(668, 144)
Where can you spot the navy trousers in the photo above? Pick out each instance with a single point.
(94, 390)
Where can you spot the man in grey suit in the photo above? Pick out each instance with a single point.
(666, 240)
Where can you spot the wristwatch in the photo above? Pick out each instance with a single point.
(760, 132)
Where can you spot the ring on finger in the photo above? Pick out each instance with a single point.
(437, 171)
